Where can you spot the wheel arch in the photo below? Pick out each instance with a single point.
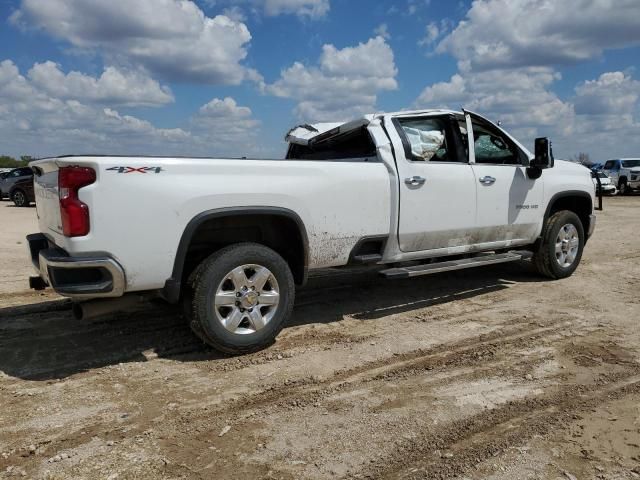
(279, 228)
(576, 201)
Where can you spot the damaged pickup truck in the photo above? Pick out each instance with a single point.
(414, 192)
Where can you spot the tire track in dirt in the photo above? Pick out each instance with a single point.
(43, 333)
(305, 391)
(454, 450)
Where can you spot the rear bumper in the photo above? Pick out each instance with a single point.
(95, 276)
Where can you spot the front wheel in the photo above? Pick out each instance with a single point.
(561, 247)
(243, 295)
(623, 187)
(20, 199)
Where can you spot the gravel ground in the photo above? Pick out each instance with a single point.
(487, 373)
(15, 266)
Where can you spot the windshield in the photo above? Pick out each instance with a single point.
(631, 163)
(602, 175)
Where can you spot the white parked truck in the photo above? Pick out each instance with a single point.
(625, 173)
(415, 192)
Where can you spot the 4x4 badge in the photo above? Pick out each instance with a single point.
(136, 169)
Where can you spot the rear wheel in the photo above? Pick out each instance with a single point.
(20, 199)
(243, 295)
(561, 247)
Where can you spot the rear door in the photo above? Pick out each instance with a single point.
(508, 201)
(437, 189)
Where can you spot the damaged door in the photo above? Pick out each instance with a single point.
(508, 201)
(437, 190)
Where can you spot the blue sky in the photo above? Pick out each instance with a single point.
(230, 77)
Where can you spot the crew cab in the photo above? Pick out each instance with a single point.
(416, 192)
(625, 173)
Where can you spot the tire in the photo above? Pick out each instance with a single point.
(623, 188)
(242, 296)
(20, 198)
(546, 259)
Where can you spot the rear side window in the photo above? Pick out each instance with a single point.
(429, 139)
(608, 165)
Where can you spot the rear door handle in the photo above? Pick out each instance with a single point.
(415, 181)
(487, 180)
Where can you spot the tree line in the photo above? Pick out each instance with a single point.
(10, 162)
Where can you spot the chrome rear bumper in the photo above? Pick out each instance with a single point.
(94, 276)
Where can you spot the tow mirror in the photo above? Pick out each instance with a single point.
(543, 154)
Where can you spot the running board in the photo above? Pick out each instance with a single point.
(447, 266)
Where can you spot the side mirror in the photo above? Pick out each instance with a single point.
(543, 154)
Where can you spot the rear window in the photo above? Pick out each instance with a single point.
(352, 144)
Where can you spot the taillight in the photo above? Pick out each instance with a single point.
(74, 213)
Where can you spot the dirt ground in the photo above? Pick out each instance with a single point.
(488, 373)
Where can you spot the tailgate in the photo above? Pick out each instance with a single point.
(45, 187)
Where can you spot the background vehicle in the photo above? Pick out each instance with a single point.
(15, 175)
(606, 184)
(22, 192)
(625, 173)
(446, 190)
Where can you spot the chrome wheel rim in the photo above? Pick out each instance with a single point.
(247, 299)
(567, 244)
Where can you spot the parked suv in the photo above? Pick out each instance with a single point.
(22, 193)
(14, 176)
(625, 173)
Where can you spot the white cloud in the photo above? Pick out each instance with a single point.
(607, 115)
(508, 52)
(345, 83)
(613, 93)
(114, 87)
(311, 9)
(37, 122)
(382, 30)
(602, 117)
(514, 33)
(434, 31)
(518, 98)
(225, 119)
(171, 38)
(302, 8)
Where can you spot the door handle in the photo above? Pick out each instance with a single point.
(487, 180)
(415, 181)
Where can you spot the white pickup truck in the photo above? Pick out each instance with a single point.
(417, 192)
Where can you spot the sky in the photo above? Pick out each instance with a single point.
(231, 77)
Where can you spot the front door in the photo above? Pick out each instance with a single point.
(437, 189)
(508, 201)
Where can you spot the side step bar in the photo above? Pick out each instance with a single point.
(447, 266)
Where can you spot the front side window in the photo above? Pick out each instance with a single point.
(426, 140)
(492, 146)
